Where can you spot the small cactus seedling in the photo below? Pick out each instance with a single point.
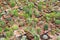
(6, 29)
(57, 21)
(12, 2)
(46, 27)
(8, 34)
(14, 27)
(15, 12)
(2, 23)
(0, 15)
(57, 15)
(0, 29)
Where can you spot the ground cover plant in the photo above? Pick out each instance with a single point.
(29, 19)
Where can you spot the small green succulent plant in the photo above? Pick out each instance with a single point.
(1, 29)
(46, 27)
(2, 23)
(57, 21)
(12, 2)
(15, 12)
(14, 27)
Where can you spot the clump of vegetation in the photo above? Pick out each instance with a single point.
(7, 29)
(40, 5)
(0, 29)
(26, 15)
(46, 27)
(6, 38)
(28, 8)
(0, 15)
(52, 15)
(58, 38)
(12, 2)
(15, 12)
(36, 13)
(53, 32)
(35, 19)
(2, 23)
(57, 21)
(38, 30)
(57, 15)
(14, 27)
(33, 32)
(9, 19)
(48, 17)
(57, 30)
(9, 33)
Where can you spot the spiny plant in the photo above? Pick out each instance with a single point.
(9, 33)
(14, 27)
(7, 38)
(57, 30)
(1, 29)
(53, 32)
(35, 19)
(37, 37)
(57, 21)
(54, 1)
(46, 27)
(36, 13)
(28, 8)
(33, 0)
(12, 2)
(6, 29)
(29, 20)
(11, 22)
(40, 4)
(58, 37)
(30, 4)
(21, 23)
(57, 15)
(38, 30)
(33, 32)
(28, 11)
(26, 15)
(0, 6)
(15, 12)
(2, 23)
(23, 0)
(9, 19)
(52, 15)
(25, 8)
(34, 22)
(0, 15)
(47, 16)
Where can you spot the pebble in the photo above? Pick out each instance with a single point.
(4, 3)
(2, 38)
(23, 38)
(16, 33)
(45, 37)
(41, 22)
